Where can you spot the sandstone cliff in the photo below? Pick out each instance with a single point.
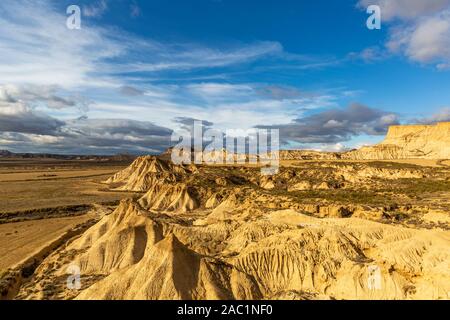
(408, 142)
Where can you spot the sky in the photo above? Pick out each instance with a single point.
(137, 70)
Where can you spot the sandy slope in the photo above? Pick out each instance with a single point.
(228, 233)
(283, 254)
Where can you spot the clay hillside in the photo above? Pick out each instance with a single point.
(315, 230)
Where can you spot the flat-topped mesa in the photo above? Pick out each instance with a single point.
(398, 131)
(409, 142)
(445, 125)
(435, 132)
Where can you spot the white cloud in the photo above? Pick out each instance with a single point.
(47, 69)
(426, 41)
(96, 9)
(18, 117)
(43, 139)
(371, 54)
(218, 89)
(184, 56)
(221, 92)
(38, 48)
(443, 66)
(418, 29)
(48, 95)
(333, 124)
(405, 9)
(228, 106)
(336, 147)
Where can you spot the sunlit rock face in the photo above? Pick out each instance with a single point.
(409, 142)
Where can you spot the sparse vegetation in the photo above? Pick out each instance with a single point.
(245, 209)
(345, 196)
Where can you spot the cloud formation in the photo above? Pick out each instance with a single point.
(38, 48)
(426, 41)
(96, 9)
(18, 117)
(405, 9)
(23, 128)
(35, 94)
(40, 133)
(336, 125)
(46, 71)
(188, 123)
(442, 115)
(419, 30)
(135, 10)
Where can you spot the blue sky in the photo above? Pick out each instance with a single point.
(138, 69)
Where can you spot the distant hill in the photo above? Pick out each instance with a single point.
(118, 157)
(5, 153)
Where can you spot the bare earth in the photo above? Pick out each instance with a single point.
(329, 228)
(21, 239)
(315, 230)
(28, 185)
(42, 199)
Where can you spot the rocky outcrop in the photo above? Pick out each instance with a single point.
(308, 155)
(144, 173)
(142, 255)
(170, 197)
(408, 142)
(170, 270)
(228, 233)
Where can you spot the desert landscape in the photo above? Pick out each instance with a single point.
(372, 223)
(220, 158)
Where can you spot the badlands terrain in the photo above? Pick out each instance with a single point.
(372, 223)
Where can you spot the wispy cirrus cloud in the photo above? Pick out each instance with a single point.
(95, 9)
(37, 48)
(185, 56)
(135, 10)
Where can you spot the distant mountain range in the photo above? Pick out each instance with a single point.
(5, 153)
(12, 155)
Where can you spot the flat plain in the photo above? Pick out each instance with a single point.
(39, 184)
(41, 199)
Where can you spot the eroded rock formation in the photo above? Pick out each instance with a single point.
(409, 142)
(311, 231)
